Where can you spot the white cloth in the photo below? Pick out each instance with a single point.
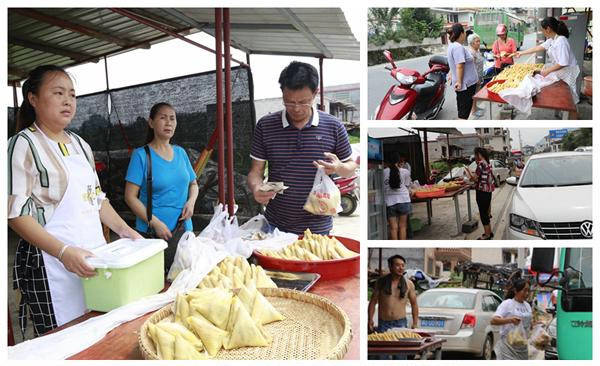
(521, 97)
(75, 222)
(399, 195)
(559, 53)
(511, 307)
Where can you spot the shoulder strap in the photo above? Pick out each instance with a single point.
(148, 184)
(78, 139)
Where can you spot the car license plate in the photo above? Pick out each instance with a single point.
(432, 323)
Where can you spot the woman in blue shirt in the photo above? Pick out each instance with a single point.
(174, 187)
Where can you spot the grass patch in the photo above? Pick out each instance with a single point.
(354, 139)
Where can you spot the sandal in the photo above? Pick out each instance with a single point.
(483, 237)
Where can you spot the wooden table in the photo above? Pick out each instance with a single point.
(435, 346)
(454, 196)
(556, 96)
(122, 342)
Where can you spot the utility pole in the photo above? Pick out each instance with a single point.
(520, 142)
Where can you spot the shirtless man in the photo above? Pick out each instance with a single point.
(392, 293)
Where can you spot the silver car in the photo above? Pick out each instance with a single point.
(462, 317)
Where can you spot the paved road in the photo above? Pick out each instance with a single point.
(379, 81)
(443, 222)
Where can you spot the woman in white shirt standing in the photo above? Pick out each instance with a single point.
(512, 311)
(396, 181)
(561, 59)
(55, 203)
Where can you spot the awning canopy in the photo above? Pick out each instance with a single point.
(73, 36)
(449, 131)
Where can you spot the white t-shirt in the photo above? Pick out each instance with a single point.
(399, 195)
(559, 51)
(511, 307)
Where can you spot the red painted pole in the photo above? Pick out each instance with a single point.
(228, 114)
(321, 83)
(219, 120)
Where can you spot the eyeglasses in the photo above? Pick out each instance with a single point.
(297, 105)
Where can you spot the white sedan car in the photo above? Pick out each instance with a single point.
(499, 169)
(553, 198)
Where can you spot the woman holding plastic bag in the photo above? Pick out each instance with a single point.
(514, 315)
(561, 60)
(396, 181)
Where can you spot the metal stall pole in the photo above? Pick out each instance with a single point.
(228, 114)
(219, 85)
(321, 83)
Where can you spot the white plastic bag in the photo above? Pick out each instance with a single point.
(184, 255)
(517, 337)
(539, 337)
(324, 198)
(225, 231)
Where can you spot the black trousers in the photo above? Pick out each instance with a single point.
(484, 201)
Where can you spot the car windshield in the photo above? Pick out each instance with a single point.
(558, 172)
(449, 300)
(578, 268)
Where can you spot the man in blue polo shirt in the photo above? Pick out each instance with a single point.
(295, 141)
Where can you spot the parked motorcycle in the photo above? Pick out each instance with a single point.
(489, 68)
(349, 192)
(416, 96)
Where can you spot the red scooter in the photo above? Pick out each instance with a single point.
(416, 96)
(349, 194)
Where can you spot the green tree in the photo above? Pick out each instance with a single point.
(418, 23)
(381, 24)
(576, 138)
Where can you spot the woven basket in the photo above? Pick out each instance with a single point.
(313, 328)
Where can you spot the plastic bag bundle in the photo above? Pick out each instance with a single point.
(324, 198)
(539, 337)
(517, 337)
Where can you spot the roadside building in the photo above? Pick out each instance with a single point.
(496, 138)
(493, 256)
(460, 146)
(349, 94)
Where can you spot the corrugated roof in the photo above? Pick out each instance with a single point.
(66, 36)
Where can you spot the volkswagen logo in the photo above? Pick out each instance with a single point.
(586, 229)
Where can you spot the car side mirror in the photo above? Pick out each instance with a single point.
(542, 260)
(512, 181)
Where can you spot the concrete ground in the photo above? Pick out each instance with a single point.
(347, 226)
(379, 81)
(443, 221)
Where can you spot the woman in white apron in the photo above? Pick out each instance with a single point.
(561, 59)
(55, 203)
(514, 311)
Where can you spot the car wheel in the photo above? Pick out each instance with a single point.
(488, 352)
(497, 181)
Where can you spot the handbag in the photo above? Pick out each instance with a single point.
(176, 234)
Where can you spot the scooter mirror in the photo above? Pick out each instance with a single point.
(388, 55)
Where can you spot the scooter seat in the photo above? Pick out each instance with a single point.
(438, 60)
(429, 87)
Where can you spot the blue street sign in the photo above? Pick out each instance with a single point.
(557, 134)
